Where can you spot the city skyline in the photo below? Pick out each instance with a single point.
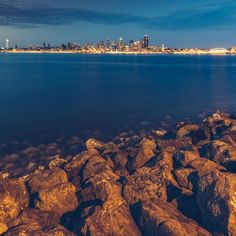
(182, 24)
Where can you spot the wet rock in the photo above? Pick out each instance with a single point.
(76, 164)
(220, 152)
(60, 199)
(58, 161)
(160, 218)
(145, 153)
(14, 197)
(184, 158)
(194, 132)
(217, 201)
(217, 118)
(46, 179)
(94, 145)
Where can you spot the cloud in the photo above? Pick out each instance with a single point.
(208, 16)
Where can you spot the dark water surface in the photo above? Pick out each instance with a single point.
(59, 95)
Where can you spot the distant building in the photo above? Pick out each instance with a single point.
(145, 41)
(218, 51)
(7, 44)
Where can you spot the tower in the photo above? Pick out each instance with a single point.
(145, 41)
(7, 44)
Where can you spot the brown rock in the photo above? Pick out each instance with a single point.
(34, 220)
(113, 218)
(60, 198)
(220, 152)
(94, 145)
(184, 158)
(46, 179)
(160, 218)
(145, 184)
(3, 228)
(217, 201)
(76, 165)
(13, 198)
(195, 132)
(203, 165)
(57, 162)
(145, 153)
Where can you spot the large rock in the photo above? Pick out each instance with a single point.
(160, 218)
(60, 199)
(145, 153)
(220, 152)
(184, 158)
(194, 132)
(46, 179)
(217, 201)
(145, 184)
(94, 145)
(14, 197)
(75, 166)
(34, 220)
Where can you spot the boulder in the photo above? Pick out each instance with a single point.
(60, 199)
(160, 218)
(184, 158)
(145, 153)
(145, 184)
(202, 165)
(58, 161)
(75, 166)
(46, 179)
(14, 198)
(220, 152)
(194, 132)
(94, 145)
(34, 220)
(217, 201)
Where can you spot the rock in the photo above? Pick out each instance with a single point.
(46, 179)
(57, 162)
(195, 132)
(120, 160)
(145, 153)
(22, 231)
(217, 201)
(160, 218)
(14, 197)
(220, 152)
(186, 178)
(217, 118)
(94, 145)
(204, 165)
(34, 220)
(3, 228)
(60, 198)
(75, 166)
(95, 166)
(145, 184)
(184, 158)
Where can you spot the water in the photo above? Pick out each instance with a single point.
(48, 96)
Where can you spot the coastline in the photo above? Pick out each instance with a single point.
(115, 52)
(158, 183)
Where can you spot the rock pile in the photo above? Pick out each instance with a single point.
(178, 184)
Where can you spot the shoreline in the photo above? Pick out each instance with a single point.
(157, 184)
(117, 53)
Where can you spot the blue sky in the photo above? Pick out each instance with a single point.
(175, 23)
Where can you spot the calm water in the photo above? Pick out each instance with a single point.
(90, 95)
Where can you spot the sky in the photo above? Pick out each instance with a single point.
(175, 23)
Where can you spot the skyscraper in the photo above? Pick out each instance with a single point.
(145, 41)
(7, 44)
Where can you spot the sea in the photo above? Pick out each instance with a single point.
(56, 101)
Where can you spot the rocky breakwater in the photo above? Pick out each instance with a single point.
(167, 183)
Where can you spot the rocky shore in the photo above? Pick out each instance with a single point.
(167, 183)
